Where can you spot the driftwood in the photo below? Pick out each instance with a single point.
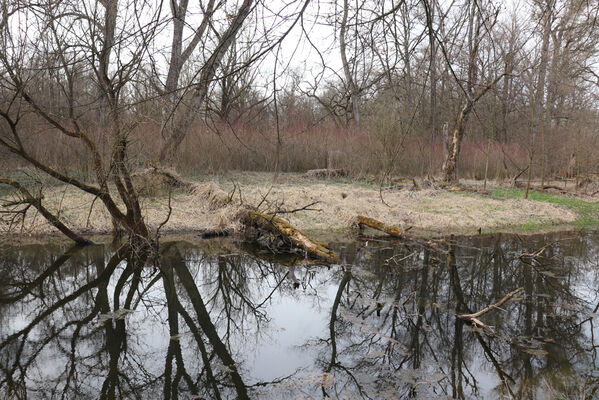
(326, 173)
(473, 318)
(395, 231)
(282, 228)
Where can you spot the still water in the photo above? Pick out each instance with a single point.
(217, 320)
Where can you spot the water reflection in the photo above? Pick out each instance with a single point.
(229, 323)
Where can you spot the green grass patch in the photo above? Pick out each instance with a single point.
(587, 211)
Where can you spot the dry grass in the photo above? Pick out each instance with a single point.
(338, 203)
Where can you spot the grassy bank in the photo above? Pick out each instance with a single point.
(334, 204)
(586, 209)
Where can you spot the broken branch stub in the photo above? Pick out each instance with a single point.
(282, 228)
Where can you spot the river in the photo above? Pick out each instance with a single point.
(219, 319)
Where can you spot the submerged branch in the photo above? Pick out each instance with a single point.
(395, 231)
(474, 316)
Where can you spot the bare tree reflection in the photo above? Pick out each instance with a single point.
(446, 355)
(94, 322)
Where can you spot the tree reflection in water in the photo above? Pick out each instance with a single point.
(381, 325)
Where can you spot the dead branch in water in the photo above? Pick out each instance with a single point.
(473, 318)
(282, 228)
(537, 253)
(395, 231)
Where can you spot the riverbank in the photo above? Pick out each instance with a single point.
(331, 205)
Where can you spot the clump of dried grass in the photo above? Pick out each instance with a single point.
(211, 193)
(152, 182)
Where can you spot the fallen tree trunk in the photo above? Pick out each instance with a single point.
(454, 188)
(36, 202)
(283, 229)
(390, 230)
(326, 173)
(545, 188)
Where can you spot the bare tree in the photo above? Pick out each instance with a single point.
(206, 74)
(75, 40)
(480, 21)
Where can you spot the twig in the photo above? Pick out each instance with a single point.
(400, 260)
(230, 196)
(264, 197)
(304, 208)
(91, 207)
(515, 178)
(64, 192)
(168, 216)
(271, 293)
(381, 189)
(240, 194)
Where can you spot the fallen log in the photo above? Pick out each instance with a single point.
(395, 231)
(213, 233)
(326, 173)
(545, 188)
(283, 229)
(464, 189)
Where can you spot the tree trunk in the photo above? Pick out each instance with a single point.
(450, 164)
(455, 142)
(433, 77)
(351, 83)
(208, 71)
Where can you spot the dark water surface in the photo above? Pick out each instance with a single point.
(212, 321)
